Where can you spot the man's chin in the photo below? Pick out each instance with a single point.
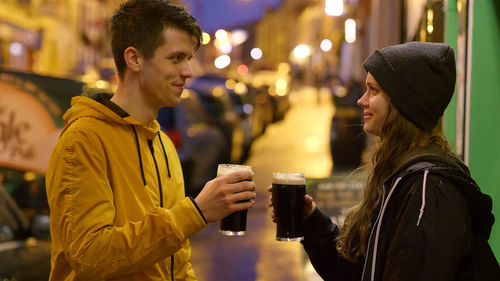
(173, 103)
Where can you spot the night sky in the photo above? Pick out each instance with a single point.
(215, 14)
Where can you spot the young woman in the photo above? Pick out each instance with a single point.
(422, 217)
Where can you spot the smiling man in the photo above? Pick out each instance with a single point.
(114, 182)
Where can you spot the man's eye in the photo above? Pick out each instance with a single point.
(177, 58)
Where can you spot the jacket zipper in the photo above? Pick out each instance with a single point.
(151, 148)
(172, 268)
(150, 143)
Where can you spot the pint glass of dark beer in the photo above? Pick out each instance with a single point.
(234, 224)
(288, 191)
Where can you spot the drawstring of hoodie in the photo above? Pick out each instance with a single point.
(371, 232)
(374, 257)
(140, 157)
(423, 197)
(421, 213)
(139, 154)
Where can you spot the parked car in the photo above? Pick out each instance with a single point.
(224, 109)
(276, 85)
(262, 110)
(24, 245)
(201, 146)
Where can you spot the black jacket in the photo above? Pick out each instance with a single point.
(435, 226)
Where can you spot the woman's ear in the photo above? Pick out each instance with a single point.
(133, 59)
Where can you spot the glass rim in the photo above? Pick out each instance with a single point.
(223, 169)
(289, 178)
(300, 174)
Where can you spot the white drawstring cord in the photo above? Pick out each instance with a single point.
(374, 257)
(371, 232)
(423, 197)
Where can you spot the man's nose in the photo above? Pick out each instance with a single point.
(187, 71)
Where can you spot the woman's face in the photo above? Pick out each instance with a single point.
(375, 104)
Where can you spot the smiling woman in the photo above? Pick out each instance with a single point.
(375, 103)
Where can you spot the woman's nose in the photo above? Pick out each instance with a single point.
(362, 101)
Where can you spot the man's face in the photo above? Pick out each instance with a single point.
(163, 76)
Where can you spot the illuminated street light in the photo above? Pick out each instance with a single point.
(221, 35)
(325, 45)
(230, 83)
(256, 53)
(430, 21)
(334, 7)
(302, 51)
(238, 37)
(222, 61)
(240, 88)
(205, 38)
(225, 47)
(16, 49)
(350, 30)
(242, 69)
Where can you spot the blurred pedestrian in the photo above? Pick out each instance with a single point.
(114, 182)
(422, 216)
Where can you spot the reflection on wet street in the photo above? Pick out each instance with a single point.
(299, 143)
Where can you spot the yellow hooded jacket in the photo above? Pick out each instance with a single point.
(117, 202)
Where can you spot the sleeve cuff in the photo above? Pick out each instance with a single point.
(198, 208)
(317, 225)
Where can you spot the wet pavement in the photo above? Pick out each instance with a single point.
(298, 143)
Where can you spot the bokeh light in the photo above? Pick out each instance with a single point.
(326, 45)
(222, 61)
(256, 53)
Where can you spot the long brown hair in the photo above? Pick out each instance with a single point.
(398, 137)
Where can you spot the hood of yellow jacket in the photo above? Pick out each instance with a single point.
(82, 106)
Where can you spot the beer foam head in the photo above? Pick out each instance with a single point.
(289, 178)
(224, 169)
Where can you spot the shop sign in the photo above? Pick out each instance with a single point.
(27, 128)
(13, 33)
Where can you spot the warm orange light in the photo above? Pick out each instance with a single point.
(242, 69)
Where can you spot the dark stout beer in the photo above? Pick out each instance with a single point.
(234, 224)
(288, 193)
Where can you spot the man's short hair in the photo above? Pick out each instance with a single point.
(140, 23)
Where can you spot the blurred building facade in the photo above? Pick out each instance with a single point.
(51, 37)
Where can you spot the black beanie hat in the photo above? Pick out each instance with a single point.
(418, 77)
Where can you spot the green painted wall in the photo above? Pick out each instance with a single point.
(451, 29)
(484, 149)
(484, 152)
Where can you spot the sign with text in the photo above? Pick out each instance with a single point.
(30, 121)
(336, 194)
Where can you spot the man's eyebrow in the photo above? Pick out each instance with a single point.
(180, 53)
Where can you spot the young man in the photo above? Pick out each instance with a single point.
(114, 183)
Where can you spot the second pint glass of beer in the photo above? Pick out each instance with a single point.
(288, 191)
(234, 224)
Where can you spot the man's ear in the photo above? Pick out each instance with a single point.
(133, 59)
